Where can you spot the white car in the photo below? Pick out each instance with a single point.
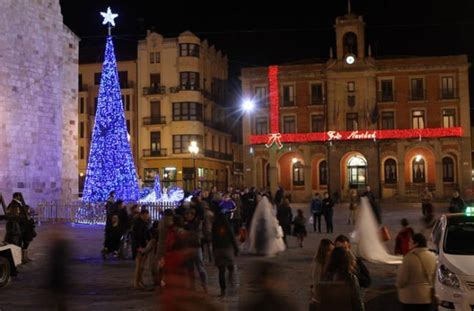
(452, 239)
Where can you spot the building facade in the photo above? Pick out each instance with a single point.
(353, 101)
(174, 93)
(38, 95)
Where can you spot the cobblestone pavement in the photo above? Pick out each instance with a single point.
(106, 285)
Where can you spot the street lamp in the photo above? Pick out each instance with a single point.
(248, 105)
(194, 150)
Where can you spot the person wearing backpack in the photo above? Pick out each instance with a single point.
(316, 211)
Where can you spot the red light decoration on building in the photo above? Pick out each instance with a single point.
(276, 138)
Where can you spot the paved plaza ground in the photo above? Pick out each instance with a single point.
(106, 285)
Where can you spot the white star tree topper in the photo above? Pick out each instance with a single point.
(108, 17)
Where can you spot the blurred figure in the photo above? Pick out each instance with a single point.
(13, 230)
(373, 204)
(265, 238)
(361, 270)
(340, 288)
(457, 204)
(279, 195)
(415, 278)
(140, 237)
(113, 236)
(402, 242)
(26, 223)
(227, 206)
(353, 203)
(163, 228)
(426, 198)
(110, 208)
(285, 217)
(319, 263)
(225, 248)
(328, 212)
(206, 243)
(299, 229)
(316, 211)
(236, 217)
(266, 278)
(150, 254)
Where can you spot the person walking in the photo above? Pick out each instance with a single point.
(457, 204)
(225, 248)
(279, 195)
(353, 203)
(285, 216)
(319, 264)
(140, 237)
(415, 278)
(426, 198)
(402, 241)
(299, 227)
(328, 212)
(316, 211)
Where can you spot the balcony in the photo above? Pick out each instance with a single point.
(448, 94)
(417, 94)
(383, 97)
(153, 90)
(218, 155)
(154, 152)
(189, 87)
(154, 120)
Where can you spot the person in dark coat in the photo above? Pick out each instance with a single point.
(457, 204)
(316, 211)
(113, 236)
(140, 238)
(299, 228)
(361, 271)
(110, 208)
(328, 212)
(225, 248)
(121, 212)
(250, 206)
(285, 217)
(13, 230)
(27, 224)
(279, 195)
(373, 204)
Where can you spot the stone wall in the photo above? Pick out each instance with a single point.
(38, 102)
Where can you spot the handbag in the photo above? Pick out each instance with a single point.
(385, 233)
(434, 300)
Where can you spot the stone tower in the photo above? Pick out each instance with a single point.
(38, 102)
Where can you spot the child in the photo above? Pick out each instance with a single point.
(299, 229)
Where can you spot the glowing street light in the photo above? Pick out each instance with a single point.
(194, 150)
(248, 105)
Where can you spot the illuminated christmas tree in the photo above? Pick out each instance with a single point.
(110, 166)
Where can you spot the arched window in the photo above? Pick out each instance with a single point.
(448, 169)
(323, 173)
(350, 43)
(390, 170)
(357, 170)
(418, 170)
(298, 174)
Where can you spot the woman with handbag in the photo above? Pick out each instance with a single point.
(415, 278)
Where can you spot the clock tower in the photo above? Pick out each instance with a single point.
(350, 37)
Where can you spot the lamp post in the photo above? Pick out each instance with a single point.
(194, 150)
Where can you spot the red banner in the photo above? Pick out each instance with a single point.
(274, 99)
(271, 139)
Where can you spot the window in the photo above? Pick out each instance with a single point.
(352, 122)
(388, 120)
(81, 130)
(81, 153)
(417, 89)
(418, 119)
(357, 171)
(317, 94)
(351, 100)
(289, 124)
(79, 80)
(189, 49)
(390, 171)
(350, 43)
(317, 123)
(187, 111)
(220, 144)
(213, 143)
(123, 79)
(154, 57)
(298, 174)
(386, 91)
(447, 88)
(169, 176)
(261, 126)
(261, 95)
(418, 169)
(189, 80)
(181, 142)
(288, 95)
(129, 131)
(127, 103)
(448, 169)
(155, 80)
(323, 173)
(155, 142)
(81, 105)
(449, 118)
(351, 86)
(97, 78)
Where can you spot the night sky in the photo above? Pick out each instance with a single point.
(256, 34)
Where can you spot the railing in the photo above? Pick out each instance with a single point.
(318, 101)
(85, 213)
(218, 155)
(385, 96)
(189, 87)
(154, 153)
(157, 89)
(154, 120)
(416, 94)
(448, 94)
(174, 89)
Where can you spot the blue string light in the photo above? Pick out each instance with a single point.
(110, 166)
